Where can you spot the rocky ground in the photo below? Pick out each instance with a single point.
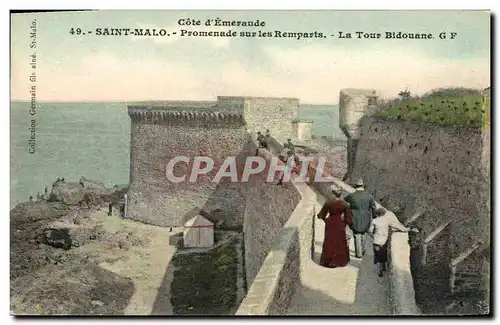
(68, 257)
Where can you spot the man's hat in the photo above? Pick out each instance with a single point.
(289, 139)
(336, 190)
(360, 182)
(258, 132)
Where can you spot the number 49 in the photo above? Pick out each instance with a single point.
(73, 31)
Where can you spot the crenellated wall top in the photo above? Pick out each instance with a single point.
(160, 115)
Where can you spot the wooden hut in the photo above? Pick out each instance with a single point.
(198, 232)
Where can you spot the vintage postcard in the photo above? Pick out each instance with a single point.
(250, 163)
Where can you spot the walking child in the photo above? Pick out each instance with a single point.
(380, 228)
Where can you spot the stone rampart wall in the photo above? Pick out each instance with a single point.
(422, 166)
(435, 172)
(268, 207)
(280, 274)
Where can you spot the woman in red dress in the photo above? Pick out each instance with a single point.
(335, 247)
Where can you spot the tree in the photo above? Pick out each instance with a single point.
(405, 95)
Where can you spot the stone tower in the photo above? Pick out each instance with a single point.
(303, 129)
(354, 104)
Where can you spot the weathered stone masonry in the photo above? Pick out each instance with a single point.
(435, 173)
(158, 136)
(275, 114)
(268, 208)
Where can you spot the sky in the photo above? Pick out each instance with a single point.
(128, 68)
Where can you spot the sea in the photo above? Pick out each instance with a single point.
(93, 140)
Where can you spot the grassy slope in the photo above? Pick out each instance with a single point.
(446, 106)
(205, 283)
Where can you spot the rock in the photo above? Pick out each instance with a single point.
(91, 291)
(90, 183)
(91, 193)
(122, 188)
(58, 238)
(65, 233)
(68, 193)
(26, 251)
(97, 303)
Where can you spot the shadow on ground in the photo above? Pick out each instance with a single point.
(369, 298)
(352, 290)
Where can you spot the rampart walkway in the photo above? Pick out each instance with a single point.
(352, 290)
(291, 281)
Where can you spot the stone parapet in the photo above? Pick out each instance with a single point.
(155, 115)
(274, 285)
(402, 293)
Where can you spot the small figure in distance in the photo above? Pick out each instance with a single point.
(267, 137)
(262, 142)
(290, 148)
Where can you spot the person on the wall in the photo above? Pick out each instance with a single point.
(261, 139)
(296, 166)
(337, 215)
(289, 163)
(267, 137)
(384, 221)
(363, 208)
(290, 148)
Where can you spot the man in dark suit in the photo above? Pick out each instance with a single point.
(362, 206)
(261, 139)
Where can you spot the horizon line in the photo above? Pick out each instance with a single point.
(139, 101)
